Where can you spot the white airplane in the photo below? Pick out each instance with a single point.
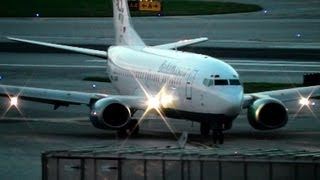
(172, 83)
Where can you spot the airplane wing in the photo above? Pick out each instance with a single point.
(284, 95)
(181, 43)
(91, 52)
(66, 98)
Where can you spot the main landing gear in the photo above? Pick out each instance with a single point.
(217, 131)
(132, 129)
(217, 135)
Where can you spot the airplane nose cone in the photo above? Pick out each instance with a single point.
(233, 106)
(231, 103)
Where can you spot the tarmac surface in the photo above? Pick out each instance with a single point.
(32, 128)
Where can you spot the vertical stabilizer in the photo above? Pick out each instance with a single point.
(125, 33)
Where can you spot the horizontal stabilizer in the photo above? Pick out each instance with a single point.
(182, 43)
(86, 51)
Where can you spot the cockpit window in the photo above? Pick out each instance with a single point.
(234, 82)
(220, 82)
(207, 82)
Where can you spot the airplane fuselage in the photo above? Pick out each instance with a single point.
(202, 87)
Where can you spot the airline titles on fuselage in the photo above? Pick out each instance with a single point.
(169, 68)
(165, 75)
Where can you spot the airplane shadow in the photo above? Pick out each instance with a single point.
(88, 132)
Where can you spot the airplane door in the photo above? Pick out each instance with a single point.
(189, 84)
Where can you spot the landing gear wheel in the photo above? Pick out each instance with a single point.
(204, 129)
(214, 137)
(134, 127)
(217, 136)
(220, 137)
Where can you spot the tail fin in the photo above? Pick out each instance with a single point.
(125, 33)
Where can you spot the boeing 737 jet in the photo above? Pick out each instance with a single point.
(166, 81)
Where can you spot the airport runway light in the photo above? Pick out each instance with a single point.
(14, 101)
(93, 86)
(265, 11)
(37, 15)
(298, 35)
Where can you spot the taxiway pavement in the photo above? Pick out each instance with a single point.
(34, 127)
(282, 24)
(37, 67)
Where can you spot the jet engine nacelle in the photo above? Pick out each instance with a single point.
(109, 113)
(267, 113)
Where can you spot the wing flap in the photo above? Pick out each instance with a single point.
(182, 43)
(91, 52)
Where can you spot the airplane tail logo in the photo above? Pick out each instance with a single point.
(125, 33)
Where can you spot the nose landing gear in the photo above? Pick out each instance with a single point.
(217, 136)
(217, 133)
(217, 130)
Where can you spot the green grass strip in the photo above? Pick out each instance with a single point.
(205, 8)
(103, 8)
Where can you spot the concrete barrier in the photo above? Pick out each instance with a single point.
(139, 163)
